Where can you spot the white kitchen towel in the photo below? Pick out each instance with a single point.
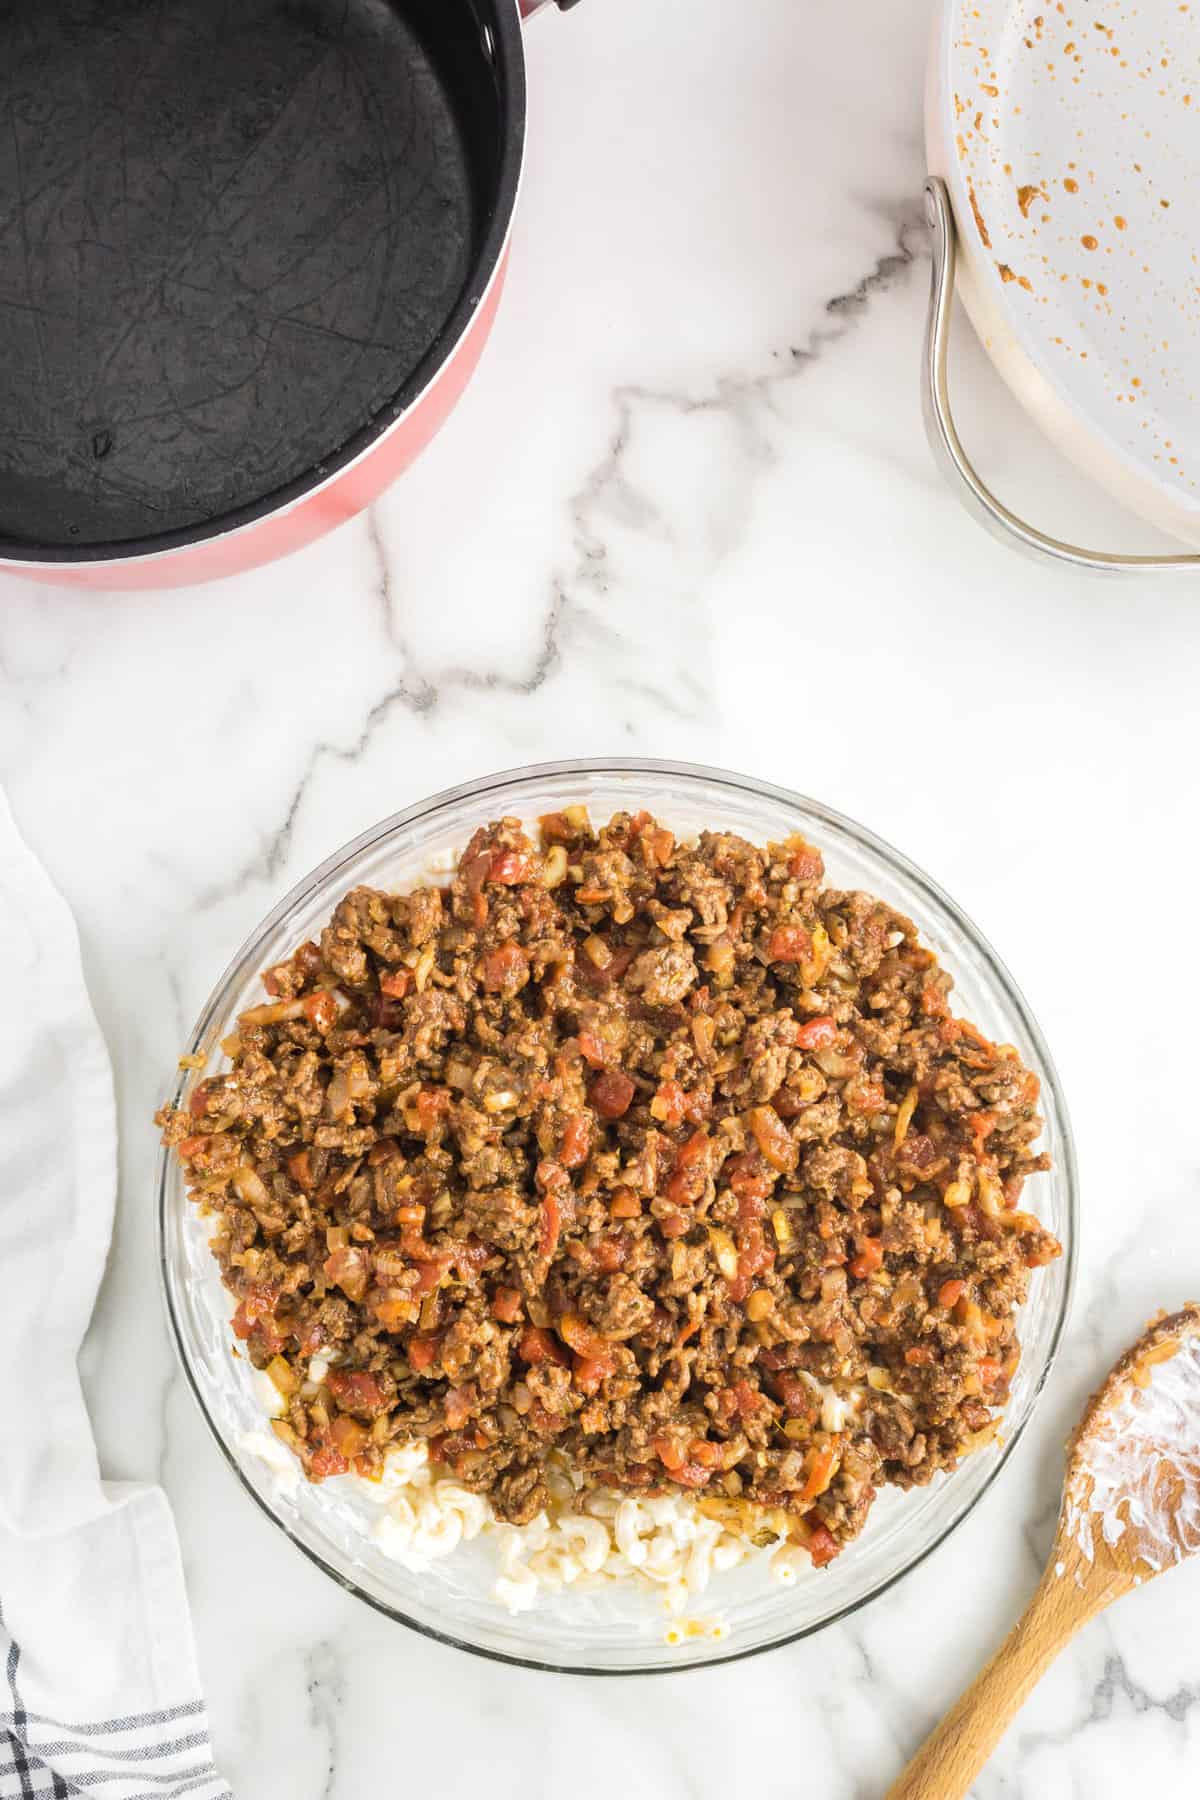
(99, 1692)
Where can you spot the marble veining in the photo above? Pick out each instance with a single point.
(685, 509)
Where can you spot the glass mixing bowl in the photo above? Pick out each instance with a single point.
(618, 1630)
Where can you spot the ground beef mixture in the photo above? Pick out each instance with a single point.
(661, 1158)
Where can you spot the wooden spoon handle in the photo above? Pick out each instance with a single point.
(947, 1763)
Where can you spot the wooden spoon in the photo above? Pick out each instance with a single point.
(1131, 1508)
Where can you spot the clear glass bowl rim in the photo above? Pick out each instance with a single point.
(248, 959)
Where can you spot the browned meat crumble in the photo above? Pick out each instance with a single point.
(661, 1157)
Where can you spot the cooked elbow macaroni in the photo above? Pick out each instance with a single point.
(588, 1539)
(666, 1542)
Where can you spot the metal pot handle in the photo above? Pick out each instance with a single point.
(529, 7)
(943, 436)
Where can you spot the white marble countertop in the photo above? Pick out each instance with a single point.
(686, 509)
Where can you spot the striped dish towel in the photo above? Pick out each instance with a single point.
(99, 1693)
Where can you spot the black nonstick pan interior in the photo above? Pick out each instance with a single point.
(232, 234)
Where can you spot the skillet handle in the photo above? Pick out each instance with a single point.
(529, 7)
(946, 444)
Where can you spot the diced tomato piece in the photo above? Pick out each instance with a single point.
(326, 1461)
(822, 1546)
(950, 1292)
(797, 1396)
(581, 1336)
(697, 1106)
(433, 1103)
(690, 1171)
(576, 1141)
(674, 1225)
(625, 1204)
(509, 868)
(611, 1094)
(591, 1048)
(536, 1346)
(989, 1371)
(507, 1305)
(357, 1390)
(806, 864)
(591, 1372)
(321, 1009)
(266, 1339)
(816, 1034)
(756, 1253)
(611, 1254)
(789, 944)
(504, 968)
(755, 1256)
(692, 1475)
(551, 1177)
(431, 1272)
(670, 1454)
(869, 1258)
(393, 1311)
(918, 1355)
(198, 1104)
(620, 957)
(551, 1226)
(749, 1178)
(669, 1104)
(385, 1014)
(423, 1352)
(299, 1167)
(256, 1304)
(349, 1437)
(748, 1400)
(396, 983)
(193, 1146)
(866, 1097)
(702, 1451)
